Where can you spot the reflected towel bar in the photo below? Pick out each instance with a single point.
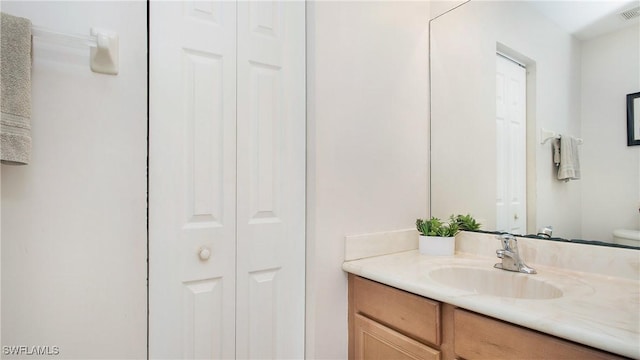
(545, 135)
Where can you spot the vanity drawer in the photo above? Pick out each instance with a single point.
(409, 314)
(480, 337)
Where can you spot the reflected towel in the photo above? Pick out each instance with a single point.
(15, 84)
(556, 152)
(569, 168)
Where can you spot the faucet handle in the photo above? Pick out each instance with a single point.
(506, 241)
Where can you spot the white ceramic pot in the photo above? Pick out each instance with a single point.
(437, 245)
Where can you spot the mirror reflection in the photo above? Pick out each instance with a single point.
(517, 86)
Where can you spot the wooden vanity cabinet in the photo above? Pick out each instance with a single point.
(388, 323)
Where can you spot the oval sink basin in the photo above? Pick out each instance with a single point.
(495, 282)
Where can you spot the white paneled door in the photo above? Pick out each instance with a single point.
(271, 173)
(511, 130)
(226, 179)
(192, 179)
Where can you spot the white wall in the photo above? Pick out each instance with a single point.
(367, 143)
(463, 108)
(74, 219)
(610, 71)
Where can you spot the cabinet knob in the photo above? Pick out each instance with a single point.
(204, 253)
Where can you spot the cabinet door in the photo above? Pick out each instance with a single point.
(374, 341)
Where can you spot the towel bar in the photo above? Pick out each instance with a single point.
(103, 46)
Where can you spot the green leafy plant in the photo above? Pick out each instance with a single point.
(436, 227)
(466, 222)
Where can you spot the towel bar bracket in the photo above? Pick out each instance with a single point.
(545, 135)
(105, 56)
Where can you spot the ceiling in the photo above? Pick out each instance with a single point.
(586, 19)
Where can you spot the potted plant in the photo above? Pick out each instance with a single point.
(466, 222)
(436, 236)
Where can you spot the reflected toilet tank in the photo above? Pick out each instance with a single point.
(627, 237)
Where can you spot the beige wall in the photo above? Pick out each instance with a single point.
(367, 143)
(74, 219)
(610, 71)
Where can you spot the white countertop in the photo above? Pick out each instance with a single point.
(601, 311)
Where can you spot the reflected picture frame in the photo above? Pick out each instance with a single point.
(633, 119)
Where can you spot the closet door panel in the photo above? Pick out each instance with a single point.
(192, 181)
(271, 179)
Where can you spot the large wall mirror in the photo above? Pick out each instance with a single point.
(508, 78)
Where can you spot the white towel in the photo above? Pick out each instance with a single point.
(569, 168)
(15, 82)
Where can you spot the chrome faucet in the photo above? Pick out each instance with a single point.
(511, 260)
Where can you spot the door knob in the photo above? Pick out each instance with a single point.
(204, 253)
